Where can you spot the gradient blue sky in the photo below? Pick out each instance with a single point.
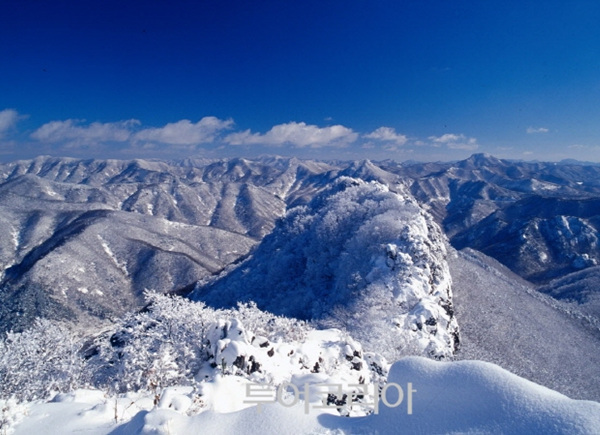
(427, 80)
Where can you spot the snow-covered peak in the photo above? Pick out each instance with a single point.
(359, 258)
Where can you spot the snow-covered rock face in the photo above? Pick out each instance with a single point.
(323, 357)
(361, 258)
(178, 341)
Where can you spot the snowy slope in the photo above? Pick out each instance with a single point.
(504, 320)
(580, 288)
(94, 265)
(539, 238)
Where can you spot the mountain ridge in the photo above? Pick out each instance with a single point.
(468, 199)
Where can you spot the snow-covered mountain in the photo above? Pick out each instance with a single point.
(80, 234)
(347, 262)
(83, 239)
(358, 257)
(539, 219)
(539, 238)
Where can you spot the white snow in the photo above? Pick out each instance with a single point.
(445, 397)
(537, 185)
(122, 266)
(15, 237)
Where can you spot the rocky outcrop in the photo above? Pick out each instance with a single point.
(358, 257)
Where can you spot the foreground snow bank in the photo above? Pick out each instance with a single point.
(474, 397)
(456, 397)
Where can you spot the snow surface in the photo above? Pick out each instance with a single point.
(449, 397)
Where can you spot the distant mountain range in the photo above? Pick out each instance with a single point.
(78, 228)
(83, 239)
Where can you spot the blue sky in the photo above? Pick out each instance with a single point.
(426, 80)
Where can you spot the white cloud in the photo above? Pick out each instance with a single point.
(448, 137)
(298, 134)
(387, 134)
(185, 132)
(532, 130)
(73, 134)
(455, 141)
(8, 119)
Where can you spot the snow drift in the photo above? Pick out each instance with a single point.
(450, 397)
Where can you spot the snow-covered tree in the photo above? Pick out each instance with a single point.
(40, 361)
